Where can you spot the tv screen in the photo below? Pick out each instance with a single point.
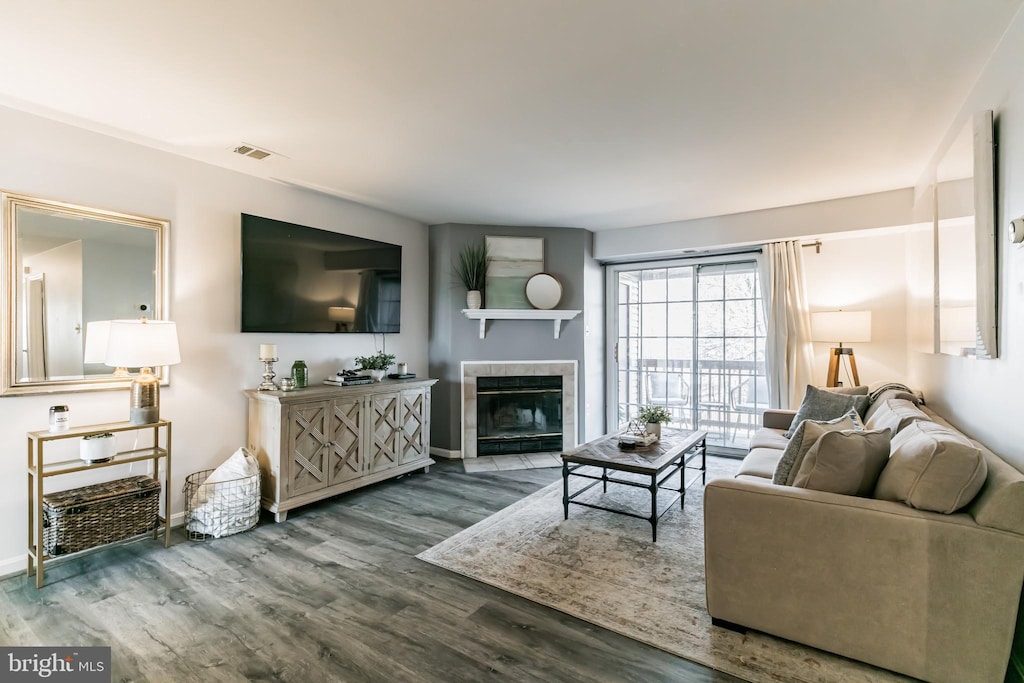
(300, 279)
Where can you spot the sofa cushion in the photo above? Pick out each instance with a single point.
(824, 405)
(932, 468)
(769, 438)
(894, 414)
(804, 437)
(760, 462)
(846, 462)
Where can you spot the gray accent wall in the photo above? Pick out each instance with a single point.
(453, 338)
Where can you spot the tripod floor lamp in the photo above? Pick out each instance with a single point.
(841, 327)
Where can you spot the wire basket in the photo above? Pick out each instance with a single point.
(222, 508)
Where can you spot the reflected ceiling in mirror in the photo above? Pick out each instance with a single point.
(65, 266)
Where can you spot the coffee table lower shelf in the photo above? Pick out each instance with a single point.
(659, 473)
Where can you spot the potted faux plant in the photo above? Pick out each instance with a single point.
(377, 364)
(471, 270)
(654, 416)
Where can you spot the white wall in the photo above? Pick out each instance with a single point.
(981, 397)
(863, 274)
(203, 204)
(864, 212)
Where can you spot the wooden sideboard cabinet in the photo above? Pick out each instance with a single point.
(320, 441)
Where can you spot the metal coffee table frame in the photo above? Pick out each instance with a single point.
(660, 461)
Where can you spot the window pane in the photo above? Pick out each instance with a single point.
(654, 352)
(653, 322)
(680, 320)
(741, 349)
(710, 349)
(709, 319)
(629, 287)
(654, 285)
(710, 283)
(739, 318)
(629, 354)
(739, 285)
(680, 284)
(680, 352)
(759, 329)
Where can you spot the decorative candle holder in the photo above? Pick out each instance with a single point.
(268, 375)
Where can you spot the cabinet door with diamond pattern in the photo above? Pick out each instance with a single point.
(385, 434)
(345, 459)
(309, 443)
(415, 421)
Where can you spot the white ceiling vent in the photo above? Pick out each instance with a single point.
(250, 151)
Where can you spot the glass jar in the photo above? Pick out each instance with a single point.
(300, 373)
(60, 418)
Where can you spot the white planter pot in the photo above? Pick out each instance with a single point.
(377, 375)
(654, 428)
(473, 299)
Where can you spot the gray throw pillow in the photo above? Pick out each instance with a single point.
(847, 462)
(803, 438)
(824, 405)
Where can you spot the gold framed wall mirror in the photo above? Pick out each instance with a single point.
(966, 263)
(65, 266)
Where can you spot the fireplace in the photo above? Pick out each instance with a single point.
(518, 414)
(541, 415)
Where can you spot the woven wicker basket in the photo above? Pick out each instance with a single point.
(82, 518)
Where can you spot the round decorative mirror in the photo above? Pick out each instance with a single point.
(543, 291)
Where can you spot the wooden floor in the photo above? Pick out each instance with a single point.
(267, 605)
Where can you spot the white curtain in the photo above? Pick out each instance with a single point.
(788, 352)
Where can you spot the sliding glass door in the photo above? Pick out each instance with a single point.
(689, 336)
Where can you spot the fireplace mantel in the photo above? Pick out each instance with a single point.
(485, 314)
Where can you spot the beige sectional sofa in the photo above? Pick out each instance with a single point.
(922, 593)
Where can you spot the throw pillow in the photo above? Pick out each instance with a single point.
(894, 414)
(804, 437)
(846, 462)
(824, 405)
(932, 468)
(886, 395)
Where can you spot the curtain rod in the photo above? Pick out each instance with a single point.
(816, 244)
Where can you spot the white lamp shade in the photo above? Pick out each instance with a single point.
(142, 343)
(341, 314)
(841, 326)
(97, 334)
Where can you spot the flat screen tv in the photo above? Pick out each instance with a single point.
(301, 279)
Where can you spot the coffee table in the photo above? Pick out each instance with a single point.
(672, 454)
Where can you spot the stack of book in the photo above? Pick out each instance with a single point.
(627, 440)
(343, 380)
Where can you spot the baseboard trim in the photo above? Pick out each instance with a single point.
(444, 453)
(13, 566)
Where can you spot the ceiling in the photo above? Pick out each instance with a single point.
(585, 113)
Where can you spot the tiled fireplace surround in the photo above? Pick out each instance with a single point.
(473, 369)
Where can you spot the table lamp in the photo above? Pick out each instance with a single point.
(143, 344)
(342, 316)
(841, 327)
(97, 335)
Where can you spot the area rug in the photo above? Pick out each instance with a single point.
(604, 569)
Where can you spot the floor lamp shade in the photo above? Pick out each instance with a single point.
(841, 327)
(144, 344)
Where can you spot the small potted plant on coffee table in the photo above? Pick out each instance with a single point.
(377, 364)
(654, 416)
